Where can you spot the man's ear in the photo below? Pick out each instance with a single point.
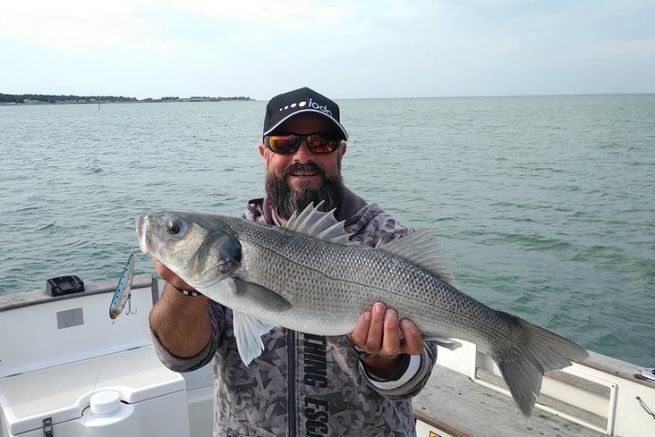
(341, 151)
(262, 150)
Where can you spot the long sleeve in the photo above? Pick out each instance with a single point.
(410, 381)
(188, 364)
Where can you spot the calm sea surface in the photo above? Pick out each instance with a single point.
(544, 205)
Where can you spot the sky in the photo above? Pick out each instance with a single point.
(341, 48)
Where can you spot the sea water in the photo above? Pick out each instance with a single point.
(545, 206)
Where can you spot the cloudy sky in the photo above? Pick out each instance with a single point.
(343, 48)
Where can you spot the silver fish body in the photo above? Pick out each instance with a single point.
(316, 284)
(329, 285)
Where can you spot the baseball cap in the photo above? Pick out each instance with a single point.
(301, 101)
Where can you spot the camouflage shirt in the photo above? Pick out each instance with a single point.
(302, 384)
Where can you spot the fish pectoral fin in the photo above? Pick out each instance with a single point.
(260, 297)
(248, 332)
(447, 343)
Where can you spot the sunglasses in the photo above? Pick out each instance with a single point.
(288, 143)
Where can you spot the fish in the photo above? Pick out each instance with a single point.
(308, 276)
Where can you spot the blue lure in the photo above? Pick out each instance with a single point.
(122, 293)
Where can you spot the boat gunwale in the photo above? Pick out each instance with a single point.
(10, 301)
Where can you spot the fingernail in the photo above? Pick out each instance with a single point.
(367, 315)
(378, 307)
(391, 314)
(406, 324)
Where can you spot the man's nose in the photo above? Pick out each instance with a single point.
(303, 154)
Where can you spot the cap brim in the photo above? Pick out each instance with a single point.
(338, 127)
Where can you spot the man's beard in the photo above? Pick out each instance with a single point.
(286, 200)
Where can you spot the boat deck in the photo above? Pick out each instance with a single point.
(460, 407)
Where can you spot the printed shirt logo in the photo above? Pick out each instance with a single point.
(310, 104)
(315, 365)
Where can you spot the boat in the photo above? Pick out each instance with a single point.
(67, 369)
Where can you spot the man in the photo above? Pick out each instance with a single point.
(354, 385)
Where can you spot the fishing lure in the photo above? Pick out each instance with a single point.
(122, 294)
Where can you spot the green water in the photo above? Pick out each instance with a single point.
(544, 205)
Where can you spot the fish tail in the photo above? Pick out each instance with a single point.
(533, 351)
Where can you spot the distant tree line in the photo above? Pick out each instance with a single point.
(47, 98)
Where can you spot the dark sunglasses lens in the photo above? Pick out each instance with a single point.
(283, 143)
(318, 144)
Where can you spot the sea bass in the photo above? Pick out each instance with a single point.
(308, 277)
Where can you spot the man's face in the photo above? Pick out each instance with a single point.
(294, 180)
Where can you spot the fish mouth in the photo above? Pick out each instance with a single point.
(142, 234)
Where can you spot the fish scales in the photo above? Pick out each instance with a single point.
(335, 284)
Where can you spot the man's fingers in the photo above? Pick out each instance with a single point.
(170, 277)
(360, 332)
(413, 344)
(391, 338)
(161, 269)
(375, 330)
(380, 331)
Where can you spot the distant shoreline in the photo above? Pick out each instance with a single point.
(45, 99)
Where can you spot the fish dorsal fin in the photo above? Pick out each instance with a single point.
(422, 249)
(318, 224)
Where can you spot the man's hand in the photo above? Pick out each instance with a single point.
(378, 332)
(170, 277)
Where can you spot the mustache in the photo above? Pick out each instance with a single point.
(309, 167)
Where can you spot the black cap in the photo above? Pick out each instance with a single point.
(303, 100)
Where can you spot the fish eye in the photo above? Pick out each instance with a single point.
(176, 227)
